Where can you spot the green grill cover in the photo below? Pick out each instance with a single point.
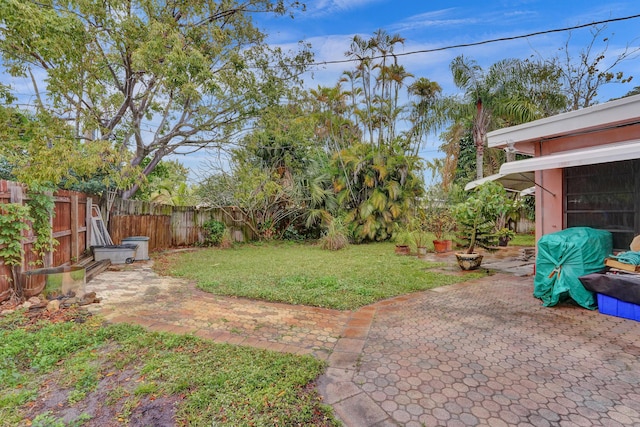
(565, 256)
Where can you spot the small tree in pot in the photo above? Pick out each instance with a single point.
(476, 219)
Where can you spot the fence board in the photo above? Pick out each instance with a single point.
(68, 225)
(156, 227)
(134, 218)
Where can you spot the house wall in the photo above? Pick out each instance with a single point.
(549, 202)
(549, 207)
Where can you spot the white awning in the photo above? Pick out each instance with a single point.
(513, 181)
(586, 156)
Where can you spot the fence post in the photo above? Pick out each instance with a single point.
(16, 192)
(75, 253)
(87, 236)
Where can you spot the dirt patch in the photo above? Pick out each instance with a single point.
(113, 401)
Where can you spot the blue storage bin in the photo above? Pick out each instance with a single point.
(615, 307)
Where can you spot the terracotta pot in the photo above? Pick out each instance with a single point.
(469, 261)
(441, 245)
(403, 249)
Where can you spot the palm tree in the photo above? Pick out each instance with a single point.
(423, 111)
(511, 92)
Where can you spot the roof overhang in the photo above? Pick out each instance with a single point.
(620, 111)
(586, 156)
(514, 181)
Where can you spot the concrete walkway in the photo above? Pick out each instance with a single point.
(480, 353)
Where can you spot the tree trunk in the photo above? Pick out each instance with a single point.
(159, 154)
(479, 134)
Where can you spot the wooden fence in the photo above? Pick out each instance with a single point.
(171, 226)
(166, 226)
(69, 227)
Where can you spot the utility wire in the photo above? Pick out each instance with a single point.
(501, 39)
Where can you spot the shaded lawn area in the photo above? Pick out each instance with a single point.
(74, 371)
(297, 273)
(523, 240)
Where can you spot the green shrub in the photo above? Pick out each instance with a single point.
(214, 231)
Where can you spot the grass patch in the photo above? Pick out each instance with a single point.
(178, 380)
(523, 240)
(306, 274)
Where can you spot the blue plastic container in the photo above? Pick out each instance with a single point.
(615, 307)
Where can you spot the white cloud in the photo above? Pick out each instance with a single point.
(324, 7)
(433, 19)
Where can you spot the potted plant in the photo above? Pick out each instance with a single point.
(476, 219)
(504, 236)
(420, 239)
(403, 240)
(440, 222)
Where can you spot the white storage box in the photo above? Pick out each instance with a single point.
(117, 254)
(142, 253)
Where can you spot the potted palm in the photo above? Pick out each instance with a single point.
(476, 220)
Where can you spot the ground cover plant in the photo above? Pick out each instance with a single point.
(306, 274)
(73, 370)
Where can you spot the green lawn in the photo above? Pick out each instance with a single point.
(523, 240)
(306, 274)
(82, 372)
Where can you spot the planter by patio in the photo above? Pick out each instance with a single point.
(403, 249)
(469, 261)
(422, 251)
(441, 245)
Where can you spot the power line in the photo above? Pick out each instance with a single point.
(500, 39)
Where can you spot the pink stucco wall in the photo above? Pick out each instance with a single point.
(549, 207)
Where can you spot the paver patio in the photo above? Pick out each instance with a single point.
(480, 353)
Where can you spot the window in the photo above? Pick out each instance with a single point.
(605, 196)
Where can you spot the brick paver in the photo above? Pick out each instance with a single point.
(480, 353)
(136, 294)
(487, 353)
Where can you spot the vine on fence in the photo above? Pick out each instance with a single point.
(13, 221)
(42, 210)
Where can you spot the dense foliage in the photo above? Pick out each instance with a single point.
(476, 216)
(214, 231)
(147, 76)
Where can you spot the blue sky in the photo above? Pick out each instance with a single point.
(329, 25)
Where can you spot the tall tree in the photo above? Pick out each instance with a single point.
(40, 150)
(376, 81)
(423, 111)
(585, 73)
(510, 92)
(152, 77)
